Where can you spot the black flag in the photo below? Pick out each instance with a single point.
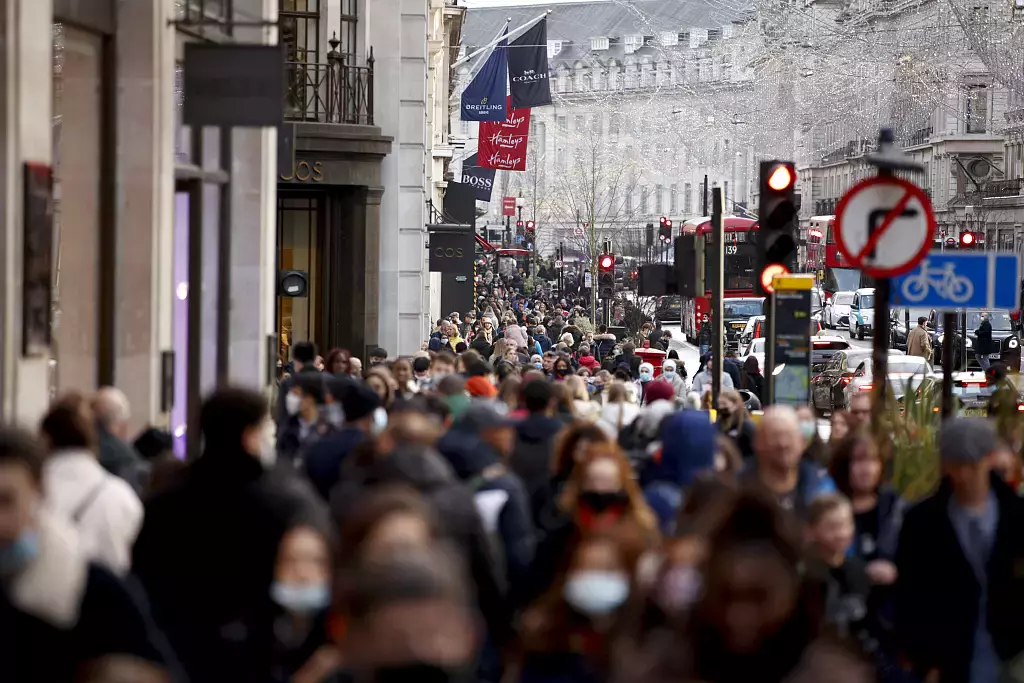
(528, 68)
(480, 179)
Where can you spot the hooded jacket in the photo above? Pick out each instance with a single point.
(604, 344)
(687, 451)
(500, 496)
(532, 456)
(515, 332)
(615, 417)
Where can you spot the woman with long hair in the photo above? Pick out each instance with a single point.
(619, 411)
(734, 421)
(500, 350)
(751, 378)
(566, 633)
(337, 362)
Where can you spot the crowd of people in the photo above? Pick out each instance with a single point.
(521, 501)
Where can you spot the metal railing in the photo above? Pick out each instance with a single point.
(331, 92)
(1002, 188)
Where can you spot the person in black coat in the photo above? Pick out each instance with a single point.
(208, 545)
(531, 458)
(959, 597)
(983, 343)
(752, 380)
(303, 360)
(61, 612)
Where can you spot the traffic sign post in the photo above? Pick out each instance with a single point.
(947, 280)
(884, 225)
(508, 206)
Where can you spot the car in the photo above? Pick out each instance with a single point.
(1004, 339)
(831, 378)
(903, 373)
(737, 313)
(861, 320)
(837, 310)
(752, 330)
(902, 320)
(824, 346)
(755, 348)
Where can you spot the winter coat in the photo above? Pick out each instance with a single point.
(679, 385)
(434, 478)
(122, 460)
(500, 496)
(103, 508)
(687, 451)
(617, 416)
(702, 382)
(734, 369)
(206, 557)
(937, 593)
(811, 483)
(742, 436)
(532, 456)
(919, 343)
(323, 462)
(983, 338)
(516, 333)
(754, 383)
(544, 341)
(604, 344)
(64, 612)
(281, 413)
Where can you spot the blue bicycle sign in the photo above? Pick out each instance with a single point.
(950, 280)
(946, 283)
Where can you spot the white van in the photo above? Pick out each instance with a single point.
(862, 312)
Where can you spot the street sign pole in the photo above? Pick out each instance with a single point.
(717, 311)
(948, 324)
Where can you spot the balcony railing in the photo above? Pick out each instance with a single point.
(917, 137)
(332, 92)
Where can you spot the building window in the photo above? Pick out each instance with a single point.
(629, 200)
(643, 200)
(976, 108)
(725, 193)
(687, 199)
(300, 31)
(579, 124)
(299, 248)
(673, 199)
(613, 129)
(598, 44)
(659, 207)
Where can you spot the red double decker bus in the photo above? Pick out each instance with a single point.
(739, 274)
(835, 273)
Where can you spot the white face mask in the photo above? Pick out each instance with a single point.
(292, 403)
(268, 449)
(380, 420)
(596, 592)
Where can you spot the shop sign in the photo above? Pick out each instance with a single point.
(305, 172)
(234, 85)
(451, 252)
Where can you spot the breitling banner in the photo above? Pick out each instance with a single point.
(484, 98)
(528, 68)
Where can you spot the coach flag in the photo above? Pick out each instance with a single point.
(484, 98)
(528, 68)
(480, 179)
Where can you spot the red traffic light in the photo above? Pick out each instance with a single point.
(668, 222)
(606, 262)
(967, 239)
(529, 225)
(635, 273)
(781, 178)
(664, 220)
(519, 224)
(769, 273)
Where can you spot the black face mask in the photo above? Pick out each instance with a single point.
(421, 672)
(562, 372)
(602, 501)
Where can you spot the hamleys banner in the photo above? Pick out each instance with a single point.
(502, 144)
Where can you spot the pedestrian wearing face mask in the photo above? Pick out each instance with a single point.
(307, 421)
(208, 544)
(323, 461)
(670, 372)
(734, 421)
(645, 377)
(566, 633)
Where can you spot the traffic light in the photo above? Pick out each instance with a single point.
(519, 227)
(665, 230)
(968, 240)
(777, 222)
(606, 276)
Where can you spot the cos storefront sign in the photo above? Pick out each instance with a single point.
(451, 252)
(305, 172)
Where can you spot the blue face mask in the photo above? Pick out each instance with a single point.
(668, 371)
(596, 593)
(645, 377)
(299, 598)
(380, 420)
(539, 366)
(17, 555)
(334, 415)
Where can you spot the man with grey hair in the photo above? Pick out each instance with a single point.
(112, 413)
(959, 595)
(778, 466)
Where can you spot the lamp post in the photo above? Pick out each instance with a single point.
(520, 203)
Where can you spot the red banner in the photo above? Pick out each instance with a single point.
(502, 144)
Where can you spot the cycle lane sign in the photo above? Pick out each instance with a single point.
(947, 280)
(884, 225)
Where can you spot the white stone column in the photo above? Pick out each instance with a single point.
(146, 124)
(26, 135)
